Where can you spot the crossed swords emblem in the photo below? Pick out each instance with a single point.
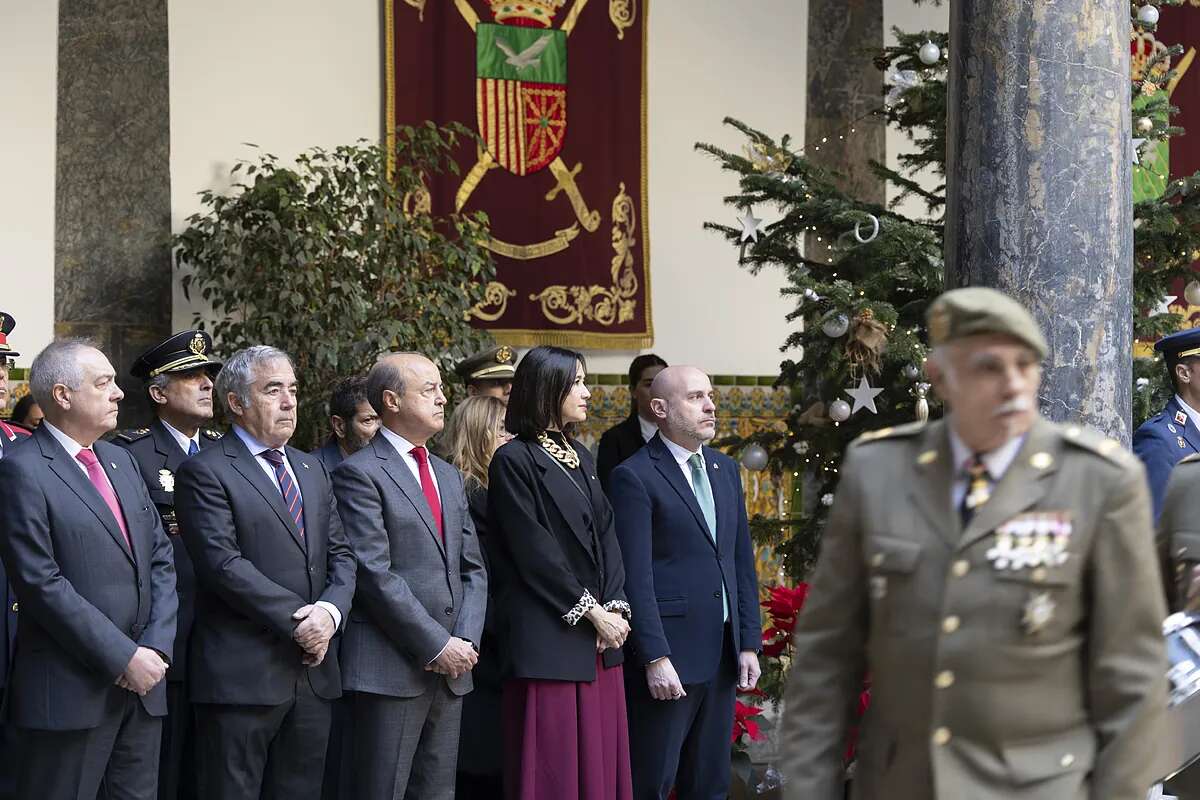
(564, 177)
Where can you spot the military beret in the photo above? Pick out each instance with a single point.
(1180, 345)
(7, 323)
(978, 310)
(182, 352)
(497, 364)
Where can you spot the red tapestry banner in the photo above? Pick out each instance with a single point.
(562, 179)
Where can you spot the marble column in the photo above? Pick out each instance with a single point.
(844, 86)
(1039, 197)
(112, 260)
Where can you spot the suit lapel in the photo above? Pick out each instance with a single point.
(566, 495)
(1023, 484)
(166, 445)
(668, 467)
(248, 465)
(69, 471)
(1187, 428)
(310, 495)
(127, 498)
(930, 491)
(402, 476)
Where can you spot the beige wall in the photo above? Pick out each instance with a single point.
(290, 75)
(28, 52)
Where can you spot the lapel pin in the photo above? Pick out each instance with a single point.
(1041, 460)
(1181, 417)
(112, 464)
(304, 465)
(716, 466)
(928, 457)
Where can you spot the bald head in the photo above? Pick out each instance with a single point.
(683, 403)
(405, 389)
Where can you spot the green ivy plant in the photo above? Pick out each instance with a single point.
(338, 258)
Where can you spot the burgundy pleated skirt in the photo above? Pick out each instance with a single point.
(567, 741)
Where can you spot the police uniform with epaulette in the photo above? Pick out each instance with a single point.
(1174, 433)
(159, 450)
(1012, 638)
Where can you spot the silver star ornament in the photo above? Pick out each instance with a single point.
(750, 225)
(864, 396)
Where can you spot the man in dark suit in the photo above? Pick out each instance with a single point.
(87, 555)
(628, 436)
(352, 422)
(275, 576)
(1174, 433)
(178, 375)
(422, 591)
(691, 583)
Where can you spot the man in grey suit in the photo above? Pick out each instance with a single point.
(89, 560)
(422, 591)
(275, 577)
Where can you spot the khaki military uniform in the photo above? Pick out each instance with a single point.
(989, 680)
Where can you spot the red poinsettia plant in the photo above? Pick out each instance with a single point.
(782, 605)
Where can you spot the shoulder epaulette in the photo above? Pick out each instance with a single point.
(1088, 439)
(134, 434)
(209, 433)
(898, 432)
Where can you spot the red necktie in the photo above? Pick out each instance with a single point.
(427, 487)
(96, 476)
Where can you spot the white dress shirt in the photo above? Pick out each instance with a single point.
(648, 429)
(404, 448)
(997, 462)
(256, 449)
(682, 454)
(183, 441)
(73, 447)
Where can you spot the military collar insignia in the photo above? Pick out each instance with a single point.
(211, 434)
(1181, 417)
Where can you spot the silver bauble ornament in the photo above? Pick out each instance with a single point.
(754, 457)
(912, 371)
(839, 411)
(1148, 14)
(1191, 293)
(835, 324)
(930, 53)
(1145, 124)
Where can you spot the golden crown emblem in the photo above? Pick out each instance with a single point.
(526, 12)
(197, 345)
(1144, 47)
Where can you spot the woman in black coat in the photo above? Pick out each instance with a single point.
(560, 595)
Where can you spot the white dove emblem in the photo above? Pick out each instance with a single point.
(529, 57)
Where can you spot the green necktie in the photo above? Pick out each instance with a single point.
(704, 498)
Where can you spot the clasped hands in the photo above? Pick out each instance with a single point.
(611, 628)
(458, 657)
(143, 672)
(316, 627)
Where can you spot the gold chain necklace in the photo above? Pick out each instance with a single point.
(567, 455)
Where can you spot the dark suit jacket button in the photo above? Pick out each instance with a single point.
(449, 610)
(312, 569)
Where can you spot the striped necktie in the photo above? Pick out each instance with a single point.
(291, 493)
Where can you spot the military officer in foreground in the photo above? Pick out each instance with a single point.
(178, 375)
(995, 574)
(489, 373)
(1173, 433)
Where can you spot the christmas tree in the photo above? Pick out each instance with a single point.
(861, 274)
